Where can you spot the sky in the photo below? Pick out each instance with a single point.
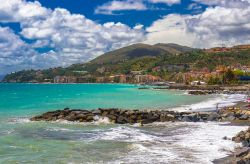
(40, 34)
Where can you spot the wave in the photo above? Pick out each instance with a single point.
(188, 143)
(210, 104)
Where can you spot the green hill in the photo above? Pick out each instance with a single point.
(139, 50)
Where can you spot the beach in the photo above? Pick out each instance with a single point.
(103, 141)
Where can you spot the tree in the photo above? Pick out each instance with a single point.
(228, 77)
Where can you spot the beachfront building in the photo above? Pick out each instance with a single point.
(146, 79)
(198, 83)
(65, 79)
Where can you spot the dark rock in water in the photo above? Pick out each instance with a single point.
(186, 119)
(136, 116)
(225, 138)
(231, 118)
(213, 117)
(191, 117)
(242, 151)
(244, 117)
(112, 117)
(122, 120)
(201, 92)
(167, 117)
(240, 161)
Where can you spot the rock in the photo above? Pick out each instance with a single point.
(190, 117)
(213, 117)
(186, 119)
(244, 117)
(225, 138)
(240, 161)
(122, 120)
(201, 92)
(168, 117)
(231, 118)
(241, 152)
(135, 116)
(90, 118)
(112, 117)
(146, 121)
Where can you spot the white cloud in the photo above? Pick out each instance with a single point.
(225, 3)
(168, 2)
(194, 6)
(216, 26)
(170, 29)
(125, 5)
(72, 38)
(18, 10)
(222, 25)
(15, 54)
(117, 5)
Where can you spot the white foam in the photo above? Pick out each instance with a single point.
(176, 142)
(207, 143)
(58, 129)
(222, 100)
(19, 120)
(126, 134)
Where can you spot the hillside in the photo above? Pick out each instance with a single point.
(139, 50)
(162, 60)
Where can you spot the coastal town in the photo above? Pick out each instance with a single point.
(193, 77)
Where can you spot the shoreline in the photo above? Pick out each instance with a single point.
(229, 114)
(232, 157)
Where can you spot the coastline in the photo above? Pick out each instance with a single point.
(231, 158)
(197, 135)
(240, 105)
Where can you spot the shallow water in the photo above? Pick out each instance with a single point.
(22, 141)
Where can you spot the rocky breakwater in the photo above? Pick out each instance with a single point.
(242, 155)
(201, 92)
(120, 116)
(234, 114)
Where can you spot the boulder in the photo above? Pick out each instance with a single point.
(122, 120)
(112, 117)
(213, 117)
(241, 152)
(190, 117)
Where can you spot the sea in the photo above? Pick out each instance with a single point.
(24, 141)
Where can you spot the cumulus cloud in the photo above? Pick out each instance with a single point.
(194, 6)
(218, 25)
(116, 5)
(18, 10)
(15, 53)
(225, 3)
(221, 25)
(139, 5)
(168, 2)
(69, 38)
(170, 29)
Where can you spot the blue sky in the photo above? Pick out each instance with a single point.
(129, 17)
(50, 33)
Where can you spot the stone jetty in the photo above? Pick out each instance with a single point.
(120, 116)
(242, 155)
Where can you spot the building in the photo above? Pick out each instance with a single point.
(65, 79)
(198, 83)
(146, 79)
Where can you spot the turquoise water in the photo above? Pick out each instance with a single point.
(22, 141)
(28, 99)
